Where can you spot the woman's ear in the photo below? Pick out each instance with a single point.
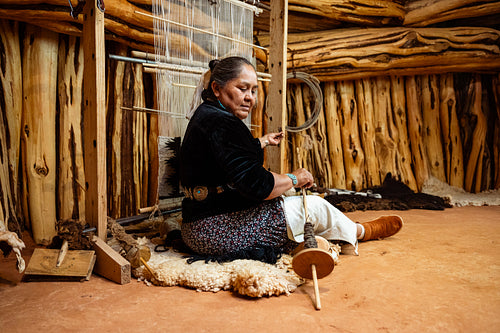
(215, 89)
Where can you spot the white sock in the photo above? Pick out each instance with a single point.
(362, 231)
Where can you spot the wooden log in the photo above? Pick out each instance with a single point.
(352, 53)
(140, 147)
(473, 170)
(385, 135)
(496, 132)
(10, 124)
(354, 157)
(94, 118)
(403, 153)
(421, 13)
(334, 135)
(362, 12)
(71, 180)
(319, 161)
(415, 128)
(432, 127)
(39, 119)
(364, 100)
(153, 152)
(115, 123)
(277, 112)
(297, 116)
(450, 129)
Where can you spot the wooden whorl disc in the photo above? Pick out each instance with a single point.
(303, 260)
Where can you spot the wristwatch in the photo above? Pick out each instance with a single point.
(293, 178)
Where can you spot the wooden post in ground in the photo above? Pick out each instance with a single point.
(94, 117)
(276, 104)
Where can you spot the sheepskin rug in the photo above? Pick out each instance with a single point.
(246, 277)
(458, 197)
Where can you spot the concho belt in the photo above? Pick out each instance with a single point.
(200, 193)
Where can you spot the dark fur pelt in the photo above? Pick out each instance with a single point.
(395, 196)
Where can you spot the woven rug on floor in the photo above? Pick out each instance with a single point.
(247, 277)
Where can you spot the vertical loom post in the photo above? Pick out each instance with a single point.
(94, 117)
(276, 106)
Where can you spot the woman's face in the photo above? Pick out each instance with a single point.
(238, 96)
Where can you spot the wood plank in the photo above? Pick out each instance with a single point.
(94, 118)
(277, 88)
(109, 263)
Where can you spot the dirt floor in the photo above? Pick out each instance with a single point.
(439, 274)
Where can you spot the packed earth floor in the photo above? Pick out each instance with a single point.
(441, 273)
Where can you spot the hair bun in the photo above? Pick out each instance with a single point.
(213, 63)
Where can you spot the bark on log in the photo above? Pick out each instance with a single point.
(415, 128)
(473, 171)
(296, 116)
(403, 153)
(450, 129)
(334, 137)
(140, 146)
(10, 124)
(320, 162)
(421, 13)
(347, 54)
(362, 12)
(354, 157)
(432, 127)
(385, 140)
(153, 152)
(115, 115)
(71, 180)
(364, 99)
(39, 93)
(496, 132)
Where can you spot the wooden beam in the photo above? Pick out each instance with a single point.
(94, 115)
(276, 106)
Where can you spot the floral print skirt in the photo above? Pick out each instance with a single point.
(260, 226)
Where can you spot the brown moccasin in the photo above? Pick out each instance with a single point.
(382, 227)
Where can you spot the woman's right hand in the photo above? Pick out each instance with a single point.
(304, 178)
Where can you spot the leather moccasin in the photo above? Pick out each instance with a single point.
(382, 227)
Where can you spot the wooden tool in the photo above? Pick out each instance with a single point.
(312, 262)
(63, 264)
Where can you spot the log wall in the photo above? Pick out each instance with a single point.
(413, 127)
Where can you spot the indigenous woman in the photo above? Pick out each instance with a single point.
(234, 207)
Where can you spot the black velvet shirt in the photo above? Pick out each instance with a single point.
(219, 150)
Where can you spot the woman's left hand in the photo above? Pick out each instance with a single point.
(271, 139)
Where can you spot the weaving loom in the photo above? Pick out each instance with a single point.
(188, 34)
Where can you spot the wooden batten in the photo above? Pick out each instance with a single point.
(354, 157)
(415, 128)
(10, 131)
(403, 154)
(39, 131)
(332, 104)
(71, 182)
(432, 128)
(364, 99)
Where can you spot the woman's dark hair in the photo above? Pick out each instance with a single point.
(223, 71)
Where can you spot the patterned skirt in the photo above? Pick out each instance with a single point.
(263, 226)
